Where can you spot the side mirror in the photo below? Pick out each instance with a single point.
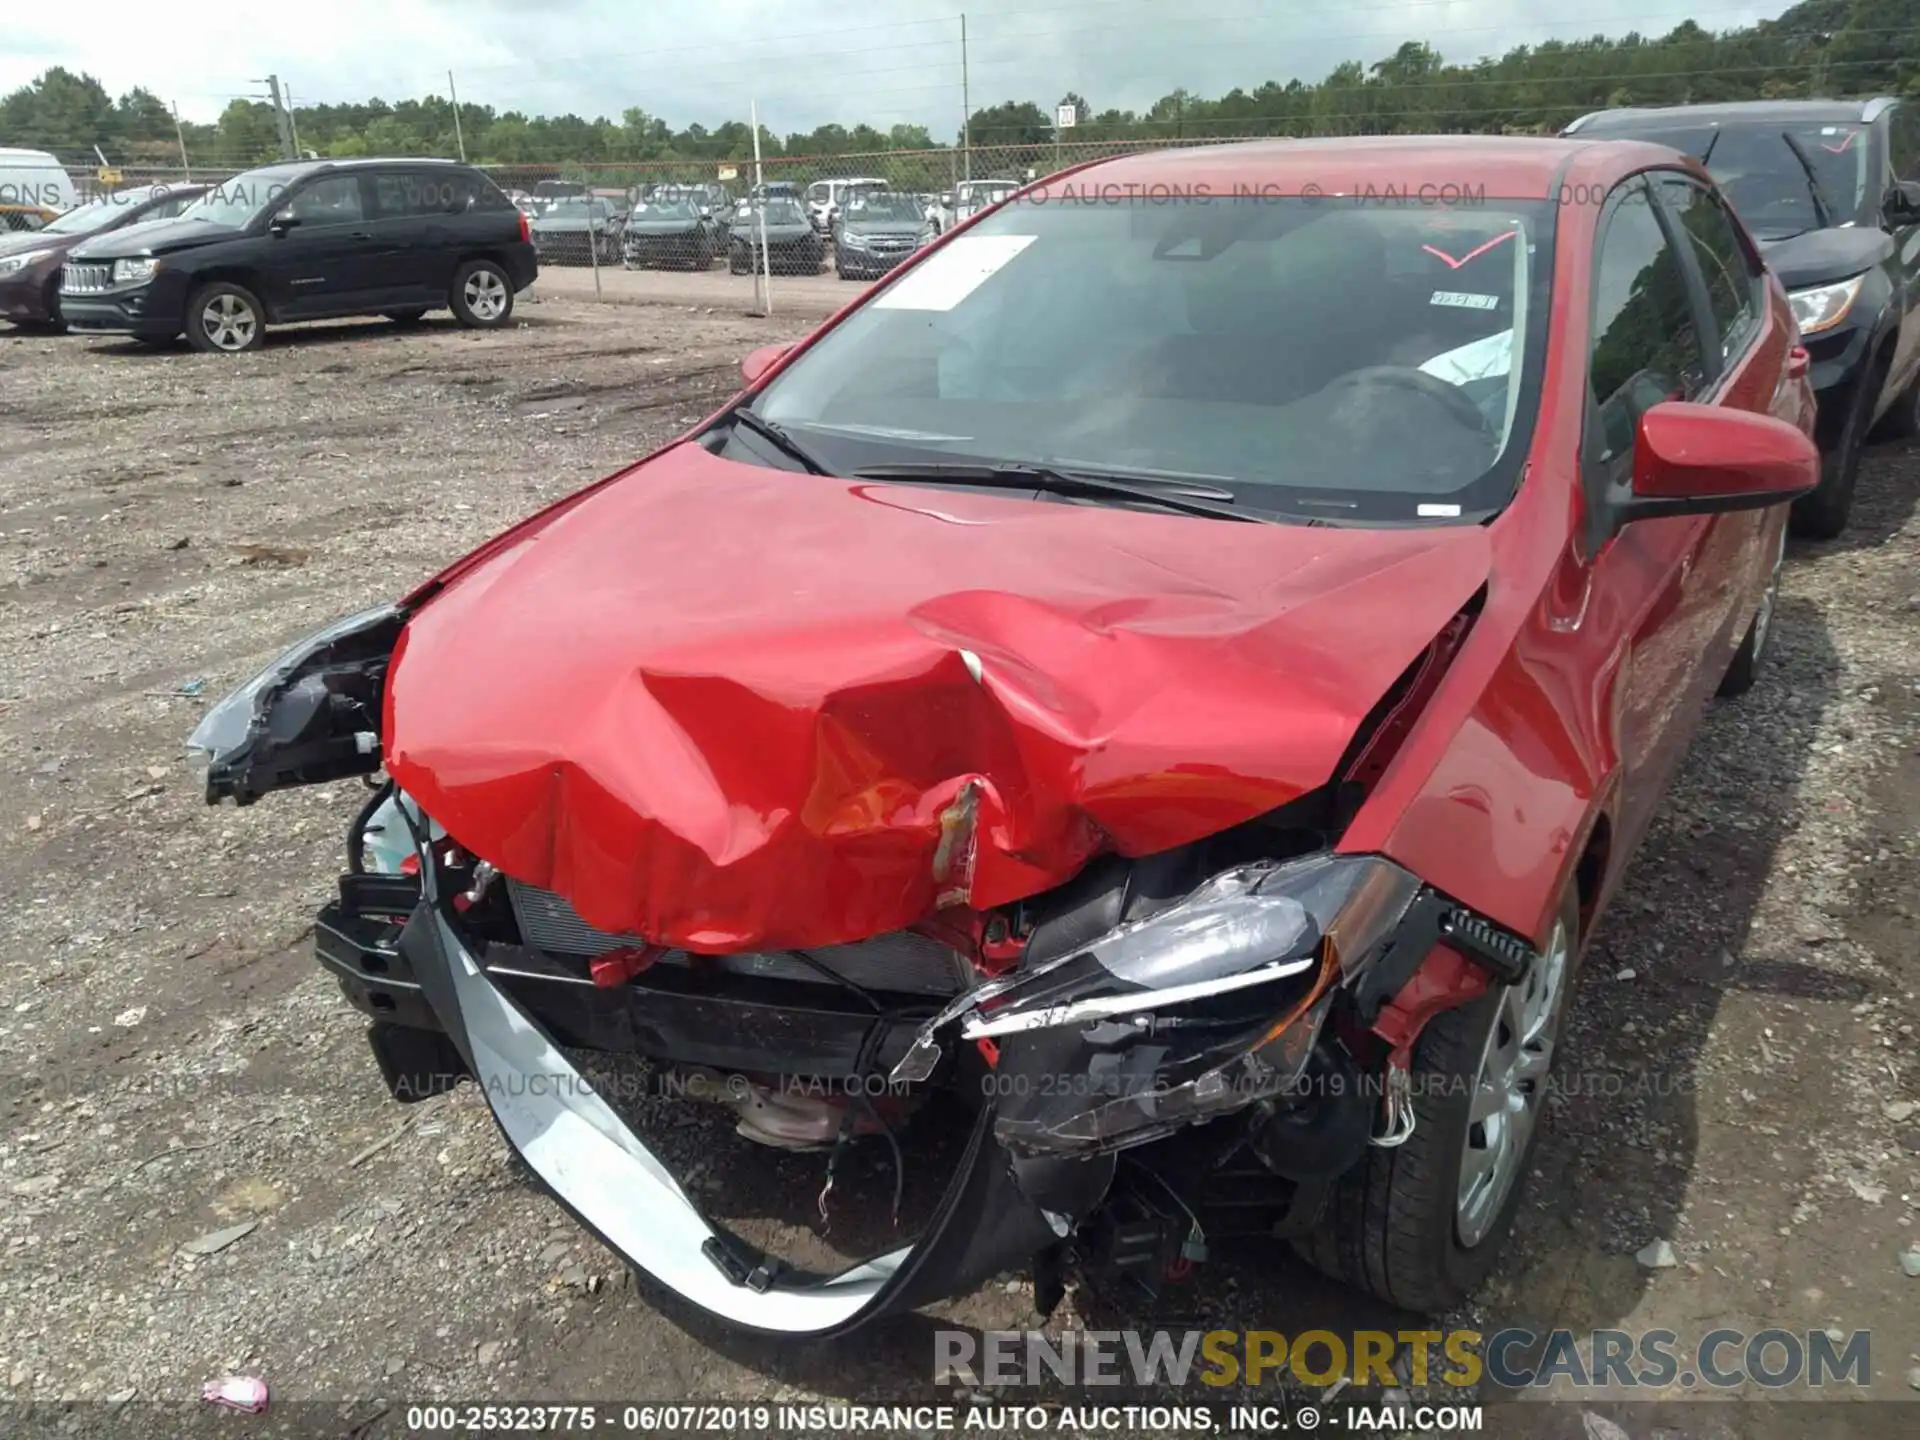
(1902, 203)
(758, 362)
(1703, 460)
(282, 223)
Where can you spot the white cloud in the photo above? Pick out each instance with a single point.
(804, 63)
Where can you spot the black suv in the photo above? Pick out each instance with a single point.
(1831, 191)
(308, 241)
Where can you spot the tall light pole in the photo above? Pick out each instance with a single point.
(458, 138)
(966, 107)
(180, 134)
(764, 274)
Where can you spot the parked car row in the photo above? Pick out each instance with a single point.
(307, 240)
(1152, 703)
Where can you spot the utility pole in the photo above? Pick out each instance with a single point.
(280, 120)
(293, 122)
(966, 106)
(180, 134)
(458, 138)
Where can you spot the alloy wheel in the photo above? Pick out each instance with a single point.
(1508, 1090)
(486, 295)
(229, 322)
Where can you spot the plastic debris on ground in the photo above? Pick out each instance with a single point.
(246, 1393)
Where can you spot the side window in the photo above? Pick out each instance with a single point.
(1904, 136)
(475, 191)
(402, 193)
(168, 208)
(1732, 284)
(1644, 347)
(391, 200)
(332, 201)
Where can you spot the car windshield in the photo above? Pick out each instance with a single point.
(780, 211)
(1362, 363)
(88, 217)
(234, 202)
(664, 210)
(881, 205)
(1759, 167)
(575, 209)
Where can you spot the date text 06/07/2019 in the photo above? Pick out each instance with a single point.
(802, 1421)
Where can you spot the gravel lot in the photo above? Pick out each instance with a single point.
(1740, 1078)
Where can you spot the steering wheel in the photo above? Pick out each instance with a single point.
(1405, 377)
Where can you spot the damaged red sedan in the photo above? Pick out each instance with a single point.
(1161, 687)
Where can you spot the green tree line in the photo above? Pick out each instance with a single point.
(1819, 47)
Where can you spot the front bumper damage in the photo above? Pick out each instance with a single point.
(1103, 1052)
(1207, 1014)
(607, 1177)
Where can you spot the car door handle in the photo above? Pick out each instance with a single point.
(1797, 362)
(361, 235)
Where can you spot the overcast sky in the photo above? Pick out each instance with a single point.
(805, 63)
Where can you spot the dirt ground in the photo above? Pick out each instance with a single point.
(1738, 1080)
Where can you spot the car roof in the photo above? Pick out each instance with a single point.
(1732, 112)
(1515, 167)
(296, 169)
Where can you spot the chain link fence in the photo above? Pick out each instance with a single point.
(946, 185)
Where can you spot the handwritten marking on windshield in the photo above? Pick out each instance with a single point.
(1472, 254)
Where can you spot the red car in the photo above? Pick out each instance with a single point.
(1154, 696)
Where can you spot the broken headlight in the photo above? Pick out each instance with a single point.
(311, 715)
(1179, 1017)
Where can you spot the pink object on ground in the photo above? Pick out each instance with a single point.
(236, 1392)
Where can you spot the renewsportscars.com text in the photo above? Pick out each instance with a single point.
(1512, 1359)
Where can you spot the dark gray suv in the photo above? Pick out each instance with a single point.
(308, 240)
(1830, 190)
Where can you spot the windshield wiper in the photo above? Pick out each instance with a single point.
(1821, 209)
(1187, 498)
(776, 435)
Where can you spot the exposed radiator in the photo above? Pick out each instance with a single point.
(900, 963)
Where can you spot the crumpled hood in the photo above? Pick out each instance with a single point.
(729, 707)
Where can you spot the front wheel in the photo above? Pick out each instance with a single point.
(1420, 1225)
(1823, 514)
(1902, 422)
(482, 298)
(224, 319)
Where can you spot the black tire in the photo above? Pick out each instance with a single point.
(1745, 666)
(1902, 422)
(1392, 1224)
(413, 315)
(225, 319)
(50, 302)
(482, 295)
(736, 261)
(1823, 514)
